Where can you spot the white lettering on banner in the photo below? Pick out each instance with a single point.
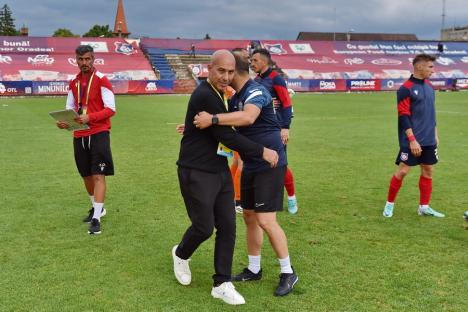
(22, 49)
(41, 59)
(24, 43)
(53, 87)
(301, 48)
(323, 60)
(151, 86)
(352, 61)
(438, 83)
(363, 83)
(98, 61)
(98, 46)
(5, 59)
(385, 61)
(327, 85)
(445, 61)
(4, 89)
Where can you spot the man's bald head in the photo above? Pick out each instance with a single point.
(223, 56)
(221, 69)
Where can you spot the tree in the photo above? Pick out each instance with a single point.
(7, 22)
(64, 32)
(99, 31)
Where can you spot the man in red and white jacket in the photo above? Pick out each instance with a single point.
(90, 95)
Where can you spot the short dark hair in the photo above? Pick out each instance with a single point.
(242, 63)
(423, 58)
(263, 52)
(83, 49)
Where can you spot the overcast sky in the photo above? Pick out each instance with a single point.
(239, 19)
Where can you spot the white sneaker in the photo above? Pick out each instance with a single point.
(181, 268)
(228, 293)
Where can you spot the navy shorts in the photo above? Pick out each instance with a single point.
(263, 191)
(429, 156)
(93, 155)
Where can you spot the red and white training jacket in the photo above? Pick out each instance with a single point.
(101, 102)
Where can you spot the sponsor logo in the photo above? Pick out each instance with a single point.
(390, 84)
(462, 83)
(438, 83)
(124, 48)
(327, 85)
(353, 61)
(196, 69)
(385, 61)
(276, 48)
(404, 156)
(53, 87)
(98, 46)
(24, 43)
(301, 48)
(445, 61)
(102, 166)
(259, 205)
(151, 86)
(362, 83)
(98, 61)
(5, 59)
(4, 89)
(323, 60)
(41, 59)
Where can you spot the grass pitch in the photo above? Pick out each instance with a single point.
(348, 257)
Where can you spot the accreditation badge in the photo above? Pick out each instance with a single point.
(224, 151)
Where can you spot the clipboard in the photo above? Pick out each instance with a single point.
(68, 116)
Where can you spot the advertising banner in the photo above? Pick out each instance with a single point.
(15, 88)
(327, 85)
(50, 87)
(363, 84)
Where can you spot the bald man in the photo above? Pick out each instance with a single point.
(205, 179)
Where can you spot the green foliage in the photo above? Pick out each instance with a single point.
(348, 257)
(7, 22)
(99, 31)
(64, 32)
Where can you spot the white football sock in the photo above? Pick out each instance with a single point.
(285, 265)
(292, 197)
(254, 264)
(97, 210)
(91, 198)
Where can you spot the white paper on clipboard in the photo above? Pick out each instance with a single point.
(68, 116)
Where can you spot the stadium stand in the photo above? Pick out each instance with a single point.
(169, 65)
(52, 59)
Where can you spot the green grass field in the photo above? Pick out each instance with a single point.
(348, 257)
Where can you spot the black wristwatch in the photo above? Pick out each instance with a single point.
(214, 120)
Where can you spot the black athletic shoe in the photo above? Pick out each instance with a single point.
(247, 275)
(94, 227)
(90, 215)
(286, 283)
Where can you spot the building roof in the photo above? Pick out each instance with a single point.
(120, 25)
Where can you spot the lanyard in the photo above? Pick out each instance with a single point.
(222, 97)
(80, 105)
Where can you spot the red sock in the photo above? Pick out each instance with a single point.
(425, 190)
(289, 182)
(393, 189)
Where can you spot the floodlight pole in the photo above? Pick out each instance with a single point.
(443, 21)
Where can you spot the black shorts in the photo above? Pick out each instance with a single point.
(93, 154)
(263, 191)
(429, 156)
